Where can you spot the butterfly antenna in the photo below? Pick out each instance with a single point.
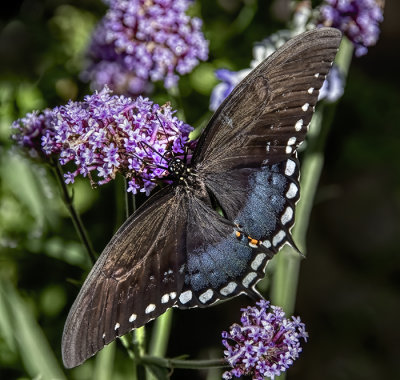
(162, 126)
(151, 148)
(149, 163)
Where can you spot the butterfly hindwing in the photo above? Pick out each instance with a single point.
(217, 260)
(260, 201)
(136, 278)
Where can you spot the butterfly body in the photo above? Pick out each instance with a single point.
(209, 235)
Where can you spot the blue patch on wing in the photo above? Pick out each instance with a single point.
(265, 202)
(214, 265)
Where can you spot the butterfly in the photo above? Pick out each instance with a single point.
(209, 235)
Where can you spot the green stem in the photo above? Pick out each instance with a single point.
(285, 279)
(161, 333)
(284, 283)
(181, 363)
(68, 201)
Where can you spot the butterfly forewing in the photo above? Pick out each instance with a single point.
(266, 116)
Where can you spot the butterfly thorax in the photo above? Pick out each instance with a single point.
(180, 172)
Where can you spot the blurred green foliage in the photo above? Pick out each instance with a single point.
(349, 285)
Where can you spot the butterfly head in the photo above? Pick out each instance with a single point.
(179, 170)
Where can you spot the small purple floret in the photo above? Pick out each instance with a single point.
(265, 344)
(357, 19)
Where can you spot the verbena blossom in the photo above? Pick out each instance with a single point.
(108, 134)
(303, 19)
(357, 19)
(333, 86)
(142, 41)
(229, 79)
(29, 130)
(261, 50)
(264, 344)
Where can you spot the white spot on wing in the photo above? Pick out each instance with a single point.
(172, 295)
(310, 90)
(266, 243)
(253, 245)
(298, 125)
(165, 298)
(316, 75)
(132, 318)
(278, 237)
(228, 289)
(249, 278)
(117, 325)
(291, 141)
(290, 167)
(104, 335)
(291, 193)
(206, 296)
(305, 107)
(287, 215)
(289, 149)
(185, 297)
(150, 308)
(258, 261)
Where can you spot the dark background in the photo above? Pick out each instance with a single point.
(349, 285)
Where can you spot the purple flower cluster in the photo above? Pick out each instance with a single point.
(143, 41)
(29, 130)
(108, 134)
(265, 344)
(357, 19)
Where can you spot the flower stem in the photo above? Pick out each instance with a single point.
(159, 341)
(68, 201)
(284, 283)
(182, 363)
(285, 279)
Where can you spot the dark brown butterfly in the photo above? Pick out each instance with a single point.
(176, 250)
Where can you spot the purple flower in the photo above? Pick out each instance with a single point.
(29, 131)
(142, 41)
(333, 86)
(108, 134)
(265, 344)
(230, 79)
(357, 19)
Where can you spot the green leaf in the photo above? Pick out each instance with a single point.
(38, 359)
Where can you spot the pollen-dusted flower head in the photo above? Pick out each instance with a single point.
(150, 40)
(108, 134)
(29, 130)
(357, 19)
(264, 344)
